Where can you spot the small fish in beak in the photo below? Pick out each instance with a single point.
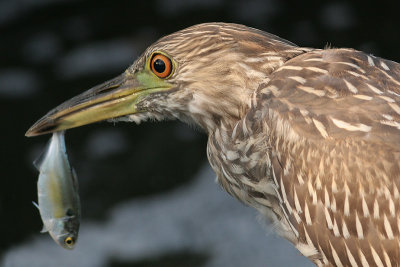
(58, 199)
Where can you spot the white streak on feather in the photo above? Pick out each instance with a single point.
(314, 59)
(288, 67)
(351, 65)
(395, 192)
(297, 217)
(350, 257)
(376, 209)
(335, 256)
(346, 206)
(389, 77)
(349, 127)
(375, 255)
(307, 215)
(327, 201)
(233, 136)
(300, 179)
(320, 127)
(315, 69)
(335, 228)
(398, 224)
(345, 231)
(388, 228)
(370, 61)
(297, 203)
(318, 183)
(333, 204)
(374, 89)
(351, 87)
(284, 196)
(328, 218)
(391, 123)
(334, 186)
(363, 97)
(393, 93)
(387, 116)
(310, 188)
(395, 107)
(314, 197)
(387, 259)
(244, 128)
(365, 208)
(364, 261)
(307, 250)
(324, 259)
(383, 64)
(298, 79)
(392, 207)
(359, 229)
(387, 99)
(311, 90)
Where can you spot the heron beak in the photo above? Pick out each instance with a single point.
(115, 98)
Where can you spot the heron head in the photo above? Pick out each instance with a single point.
(202, 74)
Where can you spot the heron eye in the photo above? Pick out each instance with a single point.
(161, 65)
(69, 241)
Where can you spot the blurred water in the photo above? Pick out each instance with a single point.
(96, 58)
(16, 83)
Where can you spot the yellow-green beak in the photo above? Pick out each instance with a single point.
(115, 98)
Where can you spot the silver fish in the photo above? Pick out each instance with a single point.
(58, 198)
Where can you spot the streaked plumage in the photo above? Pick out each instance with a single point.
(58, 197)
(309, 137)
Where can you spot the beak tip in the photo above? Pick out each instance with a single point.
(30, 133)
(43, 126)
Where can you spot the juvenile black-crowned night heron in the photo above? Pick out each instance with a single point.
(309, 137)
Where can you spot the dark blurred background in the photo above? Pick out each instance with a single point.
(51, 50)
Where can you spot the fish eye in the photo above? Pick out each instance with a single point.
(161, 65)
(69, 241)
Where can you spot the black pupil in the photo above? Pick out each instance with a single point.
(159, 66)
(69, 241)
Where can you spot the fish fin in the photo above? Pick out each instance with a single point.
(59, 135)
(44, 230)
(36, 205)
(39, 161)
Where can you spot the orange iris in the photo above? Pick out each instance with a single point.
(161, 65)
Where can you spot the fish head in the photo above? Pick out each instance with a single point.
(65, 231)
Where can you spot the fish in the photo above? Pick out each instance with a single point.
(58, 198)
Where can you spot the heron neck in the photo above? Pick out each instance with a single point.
(226, 100)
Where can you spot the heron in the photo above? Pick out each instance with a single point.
(308, 137)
